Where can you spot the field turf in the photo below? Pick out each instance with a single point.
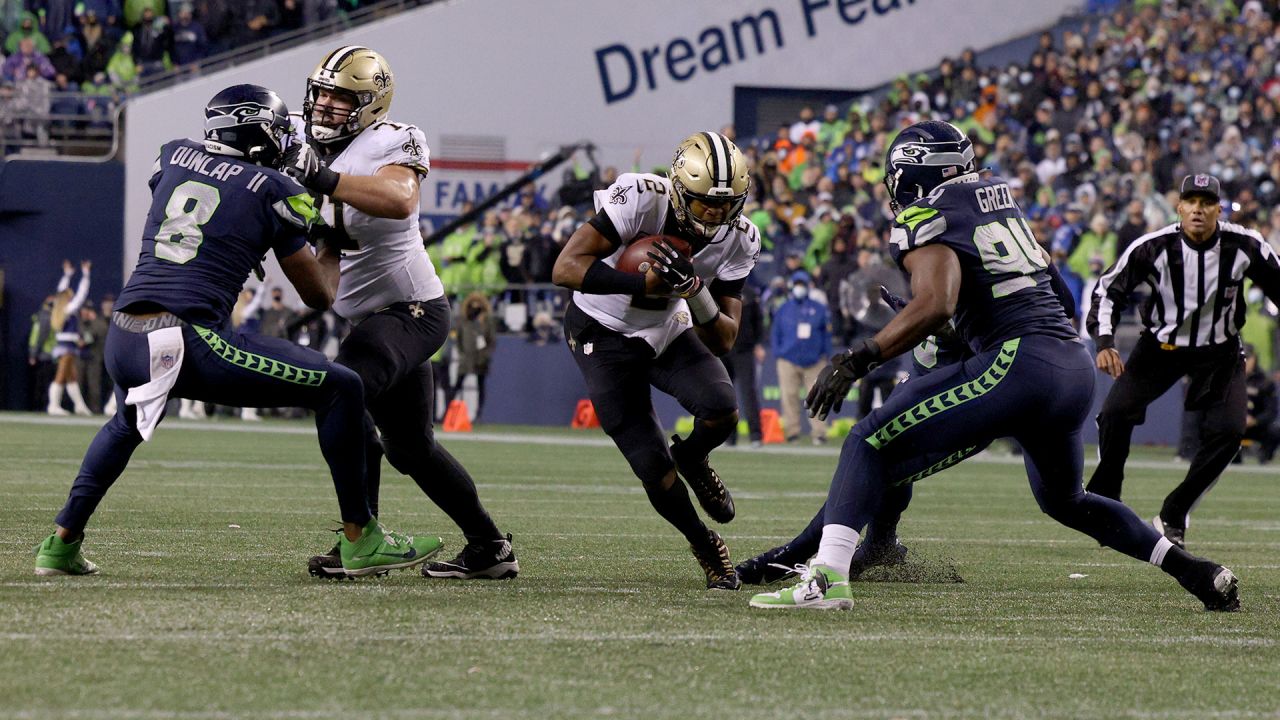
(203, 608)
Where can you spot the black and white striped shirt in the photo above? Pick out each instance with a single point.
(1195, 298)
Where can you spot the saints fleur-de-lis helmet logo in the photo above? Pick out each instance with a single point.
(357, 74)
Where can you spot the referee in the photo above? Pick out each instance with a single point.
(1194, 271)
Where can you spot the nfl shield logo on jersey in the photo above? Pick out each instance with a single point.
(167, 360)
(588, 348)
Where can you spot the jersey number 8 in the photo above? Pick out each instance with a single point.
(190, 206)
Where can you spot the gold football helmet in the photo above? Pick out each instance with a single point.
(709, 183)
(356, 74)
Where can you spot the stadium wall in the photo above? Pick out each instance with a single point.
(50, 211)
(499, 83)
(510, 398)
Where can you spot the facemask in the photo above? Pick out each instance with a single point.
(799, 292)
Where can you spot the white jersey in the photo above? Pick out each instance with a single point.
(388, 263)
(638, 205)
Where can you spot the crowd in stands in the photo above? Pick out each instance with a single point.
(79, 58)
(1092, 130)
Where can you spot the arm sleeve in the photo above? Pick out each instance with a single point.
(627, 202)
(1062, 291)
(604, 225)
(1111, 296)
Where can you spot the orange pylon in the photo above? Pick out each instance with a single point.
(584, 416)
(771, 426)
(456, 418)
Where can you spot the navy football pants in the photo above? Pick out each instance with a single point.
(1035, 389)
(228, 368)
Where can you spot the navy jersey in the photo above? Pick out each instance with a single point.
(1005, 291)
(212, 220)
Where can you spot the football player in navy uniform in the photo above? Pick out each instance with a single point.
(665, 329)
(881, 546)
(972, 257)
(366, 169)
(218, 207)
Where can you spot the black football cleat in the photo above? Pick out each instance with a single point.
(869, 555)
(770, 566)
(488, 560)
(713, 556)
(1214, 585)
(712, 495)
(328, 565)
(1174, 534)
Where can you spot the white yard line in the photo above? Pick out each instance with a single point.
(593, 440)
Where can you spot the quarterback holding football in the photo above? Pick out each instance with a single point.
(664, 327)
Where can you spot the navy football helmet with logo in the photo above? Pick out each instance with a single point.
(922, 157)
(247, 121)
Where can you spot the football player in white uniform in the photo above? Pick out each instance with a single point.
(367, 170)
(665, 328)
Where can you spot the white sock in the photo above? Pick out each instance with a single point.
(836, 547)
(73, 391)
(55, 396)
(1159, 551)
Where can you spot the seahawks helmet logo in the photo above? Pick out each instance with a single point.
(382, 79)
(911, 154)
(412, 147)
(242, 114)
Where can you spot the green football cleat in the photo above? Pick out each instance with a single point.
(379, 551)
(55, 557)
(820, 588)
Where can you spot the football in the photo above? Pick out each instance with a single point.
(636, 257)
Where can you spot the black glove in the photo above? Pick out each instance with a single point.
(301, 163)
(827, 394)
(893, 301)
(675, 269)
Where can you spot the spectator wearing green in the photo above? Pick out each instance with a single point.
(121, 68)
(28, 27)
(833, 129)
(133, 10)
(762, 217)
(453, 254)
(1259, 327)
(1099, 241)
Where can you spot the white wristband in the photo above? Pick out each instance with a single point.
(703, 306)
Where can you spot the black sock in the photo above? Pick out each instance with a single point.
(1178, 561)
(451, 488)
(705, 438)
(674, 506)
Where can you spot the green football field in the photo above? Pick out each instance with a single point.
(204, 609)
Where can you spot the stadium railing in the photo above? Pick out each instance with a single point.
(339, 22)
(90, 135)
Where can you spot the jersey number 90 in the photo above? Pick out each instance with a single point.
(1007, 248)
